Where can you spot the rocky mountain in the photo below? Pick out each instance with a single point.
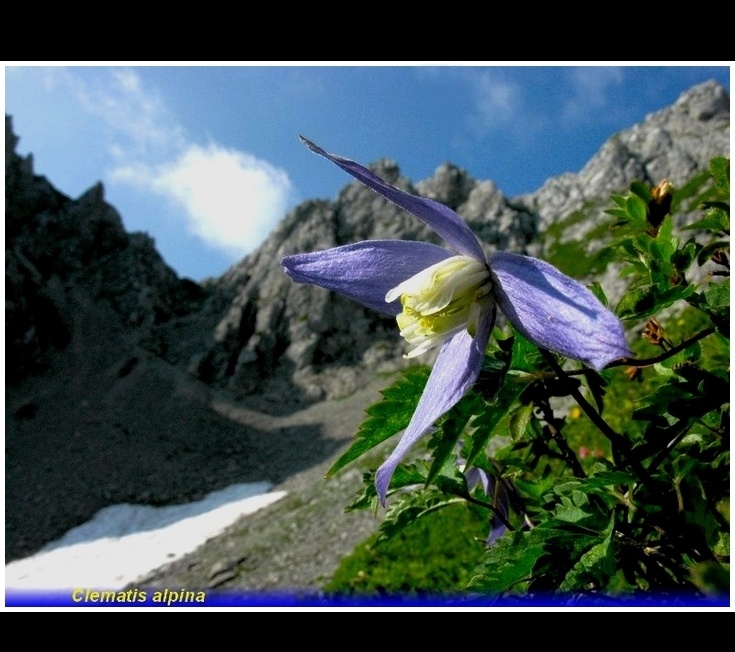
(117, 370)
(274, 332)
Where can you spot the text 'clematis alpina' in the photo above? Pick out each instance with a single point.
(449, 298)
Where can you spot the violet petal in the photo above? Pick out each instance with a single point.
(365, 271)
(556, 312)
(455, 371)
(450, 226)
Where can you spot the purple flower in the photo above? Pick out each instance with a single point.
(498, 493)
(449, 298)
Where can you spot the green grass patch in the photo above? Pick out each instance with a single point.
(436, 555)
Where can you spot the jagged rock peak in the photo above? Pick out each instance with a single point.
(671, 143)
(450, 185)
(706, 101)
(65, 258)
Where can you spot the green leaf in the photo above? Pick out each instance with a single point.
(620, 213)
(405, 476)
(596, 566)
(519, 420)
(388, 417)
(409, 508)
(642, 190)
(712, 579)
(637, 303)
(718, 294)
(570, 512)
(486, 422)
(619, 200)
(492, 373)
(719, 167)
(665, 241)
(636, 208)
(709, 250)
(644, 302)
(525, 356)
(599, 292)
(543, 556)
(508, 563)
(697, 510)
(444, 440)
(716, 220)
(609, 479)
(597, 383)
(577, 507)
(684, 257)
(715, 302)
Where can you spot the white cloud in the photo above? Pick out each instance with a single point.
(136, 118)
(496, 100)
(227, 198)
(591, 90)
(231, 199)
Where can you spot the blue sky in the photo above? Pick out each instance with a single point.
(206, 159)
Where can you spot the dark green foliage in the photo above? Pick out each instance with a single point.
(388, 417)
(612, 484)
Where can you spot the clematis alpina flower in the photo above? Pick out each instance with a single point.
(448, 298)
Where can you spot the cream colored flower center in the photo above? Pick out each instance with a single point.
(441, 301)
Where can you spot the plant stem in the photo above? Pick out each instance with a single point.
(554, 426)
(618, 441)
(647, 362)
(494, 510)
(627, 362)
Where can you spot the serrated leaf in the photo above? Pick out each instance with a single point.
(619, 200)
(632, 304)
(719, 168)
(407, 475)
(367, 497)
(716, 220)
(525, 356)
(492, 373)
(608, 479)
(689, 355)
(599, 484)
(574, 509)
(596, 565)
(712, 579)
(485, 423)
(684, 257)
(546, 552)
(409, 508)
(387, 417)
(597, 382)
(508, 563)
(449, 430)
(698, 512)
(645, 302)
(718, 294)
